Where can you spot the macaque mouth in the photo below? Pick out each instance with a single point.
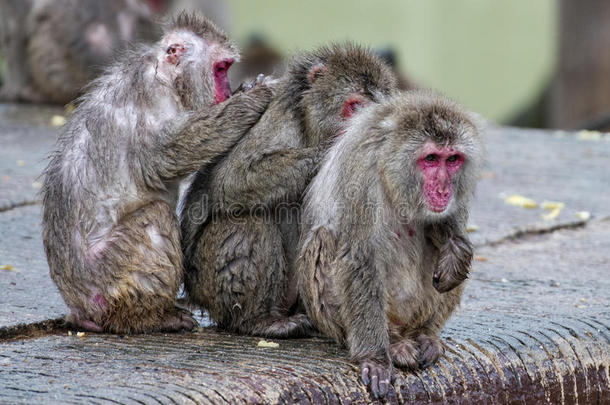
(221, 79)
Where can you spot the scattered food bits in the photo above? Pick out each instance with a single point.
(58, 120)
(521, 201)
(80, 334)
(480, 258)
(580, 306)
(472, 228)
(8, 267)
(552, 205)
(583, 215)
(21, 163)
(504, 280)
(264, 343)
(585, 135)
(36, 184)
(583, 300)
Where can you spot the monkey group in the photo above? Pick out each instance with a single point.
(323, 200)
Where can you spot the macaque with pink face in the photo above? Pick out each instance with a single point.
(384, 248)
(109, 225)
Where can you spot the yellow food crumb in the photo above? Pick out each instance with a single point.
(480, 258)
(80, 334)
(472, 228)
(8, 267)
(583, 215)
(521, 201)
(58, 120)
(585, 135)
(21, 163)
(264, 343)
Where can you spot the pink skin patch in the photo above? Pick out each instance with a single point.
(221, 80)
(174, 52)
(100, 301)
(350, 107)
(156, 5)
(439, 165)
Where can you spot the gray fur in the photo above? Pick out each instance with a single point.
(53, 48)
(110, 232)
(240, 219)
(367, 255)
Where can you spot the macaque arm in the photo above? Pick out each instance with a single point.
(454, 249)
(263, 178)
(363, 312)
(210, 133)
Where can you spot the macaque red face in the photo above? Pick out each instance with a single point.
(438, 166)
(221, 80)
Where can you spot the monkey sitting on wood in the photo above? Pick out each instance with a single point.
(383, 247)
(240, 219)
(110, 231)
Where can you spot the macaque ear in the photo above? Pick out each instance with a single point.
(315, 72)
(174, 52)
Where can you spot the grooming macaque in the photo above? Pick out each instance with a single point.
(240, 218)
(110, 231)
(52, 48)
(384, 232)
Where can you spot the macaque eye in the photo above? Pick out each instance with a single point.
(431, 158)
(223, 66)
(453, 158)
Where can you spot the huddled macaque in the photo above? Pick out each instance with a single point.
(240, 218)
(384, 248)
(110, 231)
(53, 48)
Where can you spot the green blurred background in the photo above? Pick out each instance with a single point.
(494, 56)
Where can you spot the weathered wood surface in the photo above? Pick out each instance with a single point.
(534, 326)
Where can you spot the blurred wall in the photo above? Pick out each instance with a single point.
(494, 56)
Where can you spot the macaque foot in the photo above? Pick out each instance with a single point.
(177, 320)
(297, 325)
(378, 377)
(405, 354)
(430, 350)
(84, 324)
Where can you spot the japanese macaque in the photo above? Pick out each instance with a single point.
(384, 248)
(53, 48)
(110, 231)
(240, 218)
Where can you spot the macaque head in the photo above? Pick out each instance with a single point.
(338, 81)
(195, 57)
(432, 153)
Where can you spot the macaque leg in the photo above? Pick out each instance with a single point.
(141, 258)
(241, 282)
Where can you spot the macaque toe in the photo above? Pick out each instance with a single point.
(378, 377)
(405, 354)
(177, 321)
(292, 326)
(430, 350)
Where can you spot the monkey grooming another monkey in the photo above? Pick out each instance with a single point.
(110, 231)
(391, 194)
(240, 219)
